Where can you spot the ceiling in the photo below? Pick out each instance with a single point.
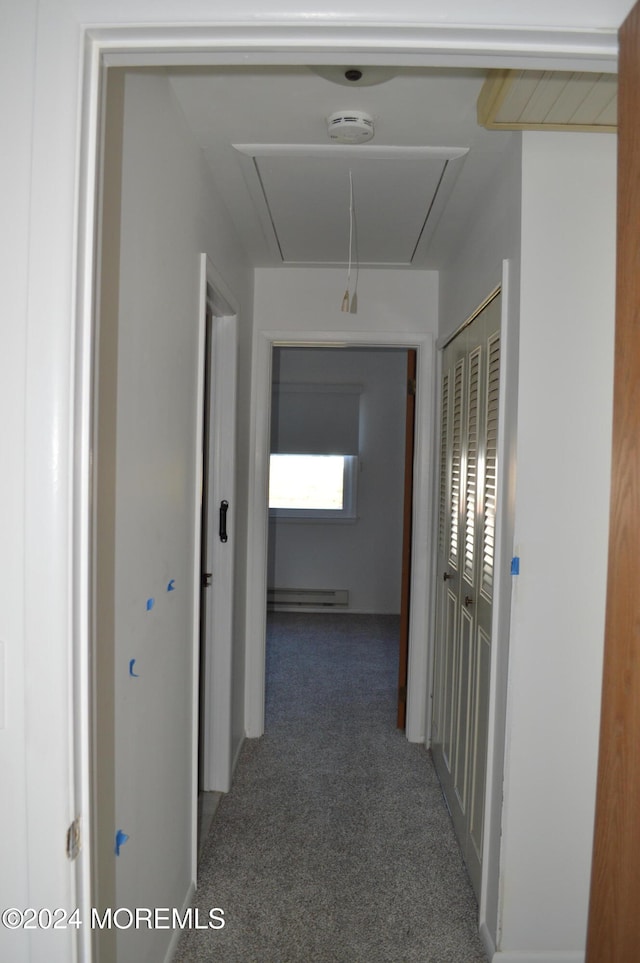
(287, 185)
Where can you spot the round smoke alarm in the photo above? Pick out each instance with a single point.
(350, 127)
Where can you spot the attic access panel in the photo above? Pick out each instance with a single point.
(302, 197)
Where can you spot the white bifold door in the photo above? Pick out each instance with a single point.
(464, 591)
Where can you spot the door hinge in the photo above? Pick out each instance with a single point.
(73, 839)
(411, 387)
(402, 693)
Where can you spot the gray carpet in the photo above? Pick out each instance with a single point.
(334, 844)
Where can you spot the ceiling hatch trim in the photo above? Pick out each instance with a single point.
(399, 193)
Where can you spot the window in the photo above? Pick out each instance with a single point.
(313, 487)
(313, 468)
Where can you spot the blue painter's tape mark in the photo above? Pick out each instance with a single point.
(131, 672)
(150, 604)
(121, 838)
(171, 587)
(515, 565)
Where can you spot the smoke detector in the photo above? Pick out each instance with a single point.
(350, 127)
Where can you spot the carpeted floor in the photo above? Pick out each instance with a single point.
(334, 844)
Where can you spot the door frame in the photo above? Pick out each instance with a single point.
(216, 723)
(502, 588)
(504, 550)
(250, 43)
(258, 529)
(407, 537)
(614, 924)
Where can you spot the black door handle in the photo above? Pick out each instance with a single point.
(224, 505)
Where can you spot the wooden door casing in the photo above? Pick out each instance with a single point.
(614, 921)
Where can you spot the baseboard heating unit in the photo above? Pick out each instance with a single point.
(313, 598)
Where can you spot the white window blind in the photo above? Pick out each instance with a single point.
(456, 463)
(491, 467)
(444, 441)
(315, 419)
(471, 470)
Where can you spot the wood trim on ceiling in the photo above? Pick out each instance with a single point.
(496, 112)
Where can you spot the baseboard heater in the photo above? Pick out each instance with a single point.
(325, 598)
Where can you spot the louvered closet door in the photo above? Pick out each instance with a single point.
(464, 591)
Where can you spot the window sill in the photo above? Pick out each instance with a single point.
(307, 519)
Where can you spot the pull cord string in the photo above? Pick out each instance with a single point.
(354, 234)
(350, 227)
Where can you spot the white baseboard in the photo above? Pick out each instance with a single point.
(236, 756)
(487, 940)
(538, 956)
(177, 932)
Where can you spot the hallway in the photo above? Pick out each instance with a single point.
(334, 843)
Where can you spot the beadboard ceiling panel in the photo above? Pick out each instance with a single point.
(552, 100)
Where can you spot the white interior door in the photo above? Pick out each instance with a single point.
(216, 605)
(464, 590)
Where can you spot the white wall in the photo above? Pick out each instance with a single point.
(563, 437)
(294, 300)
(169, 215)
(551, 212)
(580, 13)
(493, 239)
(492, 234)
(363, 555)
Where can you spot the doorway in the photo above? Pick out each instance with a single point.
(418, 662)
(216, 584)
(261, 468)
(217, 546)
(338, 503)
